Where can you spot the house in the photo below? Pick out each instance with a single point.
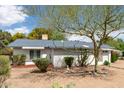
(56, 50)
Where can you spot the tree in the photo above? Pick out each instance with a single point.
(95, 22)
(18, 36)
(5, 37)
(37, 33)
(116, 43)
(52, 35)
(56, 35)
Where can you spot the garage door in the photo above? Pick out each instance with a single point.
(58, 61)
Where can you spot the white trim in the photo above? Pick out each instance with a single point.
(85, 46)
(106, 49)
(33, 48)
(29, 63)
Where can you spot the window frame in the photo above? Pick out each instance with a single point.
(34, 54)
(105, 51)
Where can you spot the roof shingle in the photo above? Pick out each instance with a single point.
(52, 44)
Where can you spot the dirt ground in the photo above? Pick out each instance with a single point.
(29, 78)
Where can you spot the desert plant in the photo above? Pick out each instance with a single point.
(121, 58)
(106, 63)
(4, 69)
(42, 64)
(82, 60)
(22, 59)
(6, 51)
(114, 57)
(57, 85)
(69, 61)
(15, 59)
(19, 59)
(70, 85)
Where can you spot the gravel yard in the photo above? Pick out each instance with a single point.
(29, 78)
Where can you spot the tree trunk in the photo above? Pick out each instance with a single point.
(96, 63)
(96, 56)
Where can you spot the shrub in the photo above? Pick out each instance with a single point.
(69, 61)
(6, 51)
(121, 58)
(106, 63)
(22, 59)
(19, 59)
(57, 85)
(15, 59)
(70, 85)
(4, 69)
(114, 57)
(82, 60)
(42, 64)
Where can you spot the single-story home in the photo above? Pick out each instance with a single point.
(56, 50)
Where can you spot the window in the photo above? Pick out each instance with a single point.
(105, 51)
(34, 54)
(38, 53)
(31, 54)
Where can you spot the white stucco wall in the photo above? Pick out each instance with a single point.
(21, 51)
(17, 51)
(44, 53)
(57, 56)
(107, 56)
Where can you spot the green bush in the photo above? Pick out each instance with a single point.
(57, 85)
(82, 58)
(114, 57)
(69, 61)
(70, 85)
(15, 59)
(6, 51)
(19, 59)
(4, 68)
(106, 63)
(121, 58)
(22, 59)
(42, 64)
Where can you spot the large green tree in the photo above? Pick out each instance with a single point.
(52, 35)
(116, 43)
(5, 37)
(18, 36)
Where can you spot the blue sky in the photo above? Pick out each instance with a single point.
(30, 23)
(13, 20)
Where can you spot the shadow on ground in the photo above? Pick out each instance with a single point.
(117, 67)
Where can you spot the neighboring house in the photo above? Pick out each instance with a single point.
(57, 50)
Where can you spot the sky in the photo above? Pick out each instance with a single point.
(13, 20)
